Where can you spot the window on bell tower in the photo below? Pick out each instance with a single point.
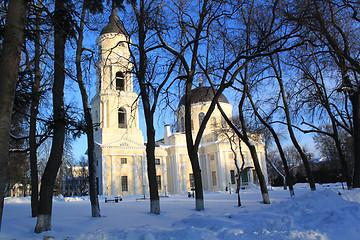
(201, 118)
(120, 81)
(182, 124)
(223, 122)
(122, 118)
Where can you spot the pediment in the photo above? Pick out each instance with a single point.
(124, 142)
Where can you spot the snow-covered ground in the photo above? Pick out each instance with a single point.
(323, 214)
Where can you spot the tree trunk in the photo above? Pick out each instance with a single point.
(262, 181)
(239, 171)
(150, 150)
(150, 155)
(287, 181)
(9, 65)
(246, 140)
(344, 164)
(303, 156)
(355, 101)
(193, 150)
(149, 111)
(94, 200)
(33, 115)
(199, 195)
(53, 164)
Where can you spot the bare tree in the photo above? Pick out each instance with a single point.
(315, 94)
(33, 115)
(239, 169)
(287, 177)
(276, 66)
(333, 27)
(59, 115)
(9, 64)
(150, 88)
(231, 55)
(95, 208)
(195, 30)
(205, 10)
(244, 136)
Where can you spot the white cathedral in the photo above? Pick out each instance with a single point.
(120, 146)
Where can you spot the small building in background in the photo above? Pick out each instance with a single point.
(19, 190)
(77, 183)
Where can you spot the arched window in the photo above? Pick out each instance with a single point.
(182, 124)
(120, 81)
(122, 118)
(213, 123)
(96, 116)
(96, 121)
(223, 122)
(201, 118)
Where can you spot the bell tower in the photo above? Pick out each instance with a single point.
(115, 104)
(119, 141)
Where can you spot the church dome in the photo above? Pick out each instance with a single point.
(114, 25)
(202, 94)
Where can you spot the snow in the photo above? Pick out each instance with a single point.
(328, 213)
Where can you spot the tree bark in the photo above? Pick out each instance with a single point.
(355, 101)
(150, 155)
(94, 200)
(193, 149)
(53, 164)
(33, 114)
(262, 181)
(239, 171)
(9, 65)
(199, 194)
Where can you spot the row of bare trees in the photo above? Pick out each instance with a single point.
(290, 63)
(284, 62)
(45, 21)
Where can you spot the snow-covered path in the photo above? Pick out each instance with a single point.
(323, 214)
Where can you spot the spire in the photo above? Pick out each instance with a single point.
(114, 25)
(114, 16)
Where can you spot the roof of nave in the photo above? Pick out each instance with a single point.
(202, 94)
(114, 25)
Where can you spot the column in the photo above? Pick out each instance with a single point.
(222, 173)
(172, 173)
(227, 171)
(217, 164)
(203, 170)
(136, 183)
(104, 103)
(103, 184)
(163, 159)
(113, 182)
(144, 181)
(208, 172)
(111, 77)
(184, 187)
(177, 183)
